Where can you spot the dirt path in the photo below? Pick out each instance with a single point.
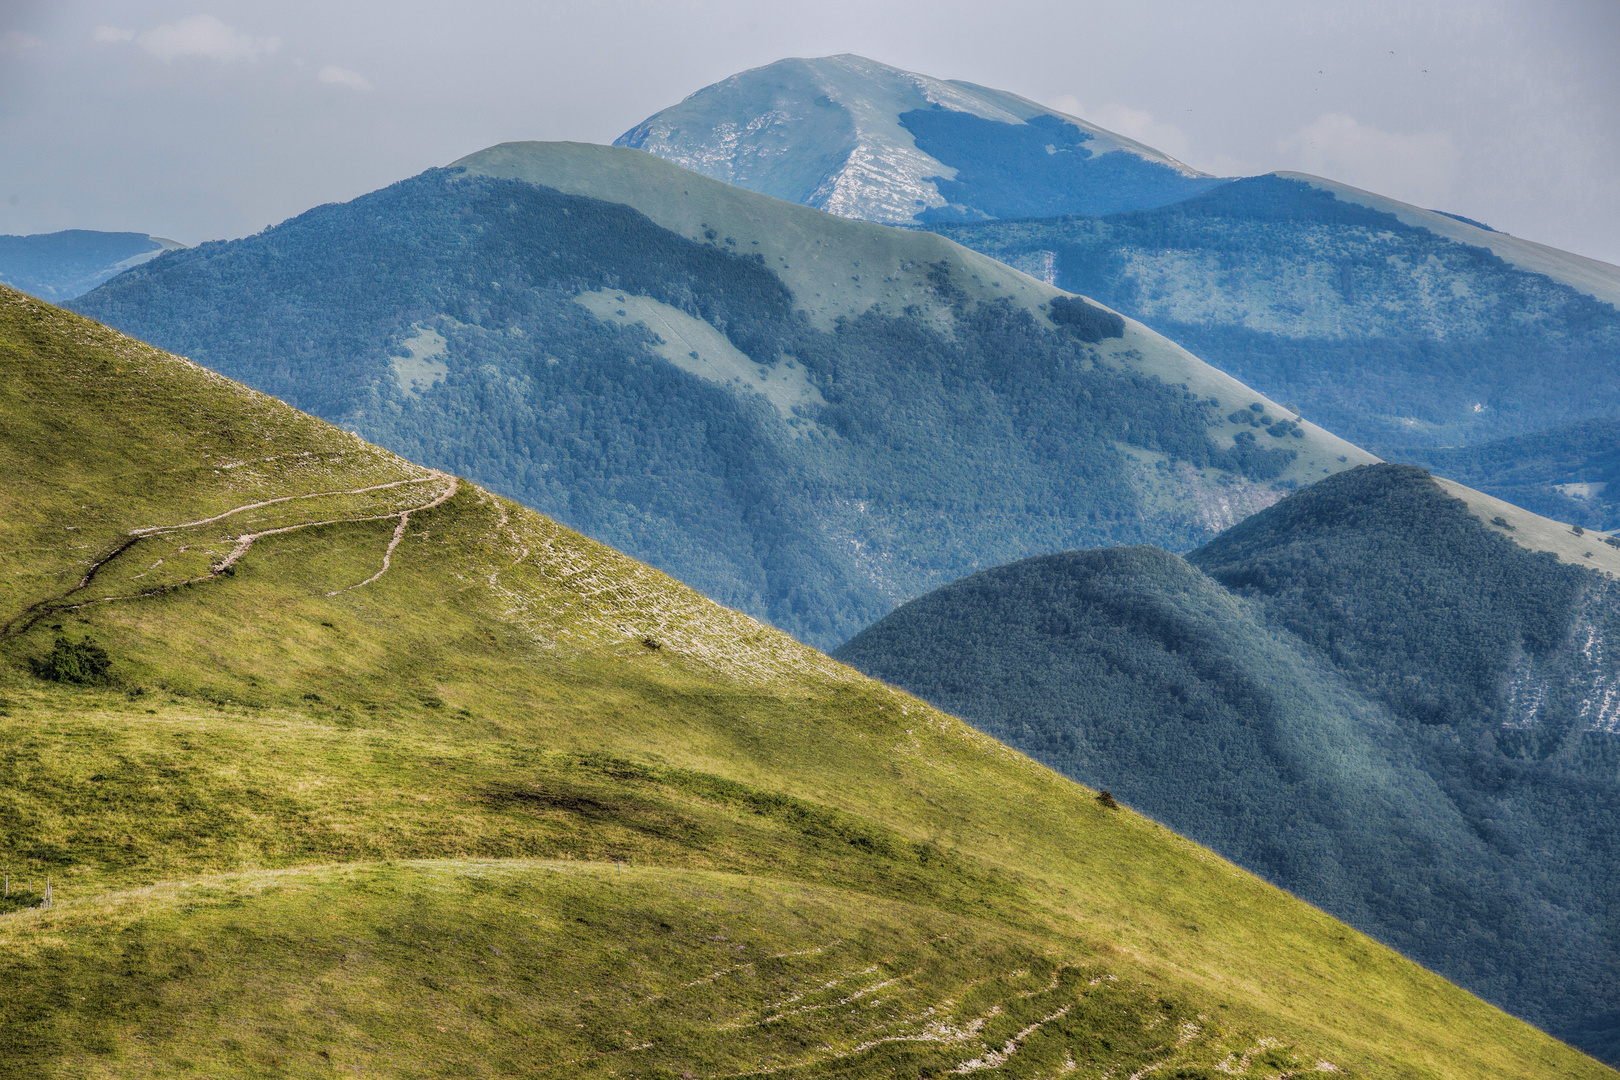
(34, 612)
(158, 530)
(399, 534)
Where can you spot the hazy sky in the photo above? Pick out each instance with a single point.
(206, 120)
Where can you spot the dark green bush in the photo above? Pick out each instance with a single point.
(81, 662)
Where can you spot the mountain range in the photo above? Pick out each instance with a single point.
(807, 417)
(318, 760)
(1387, 693)
(1399, 328)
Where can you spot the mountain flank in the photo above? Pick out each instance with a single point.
(808, 417)
(62, 265)
(1569, 473)
(1388, 694)
(1391, 325)
(325, 760)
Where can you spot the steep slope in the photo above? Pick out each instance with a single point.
(61, 265)
(807, 417)
(1392, 325)
(1370, 693)
(333, 762)
(861, 139)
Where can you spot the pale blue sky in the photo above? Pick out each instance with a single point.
(202, 120)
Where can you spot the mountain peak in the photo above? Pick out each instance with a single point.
(863, 139)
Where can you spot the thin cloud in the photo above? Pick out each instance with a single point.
(1418, 168)
(205, 36)
(337, 76)
(113, 33)
(16, 41)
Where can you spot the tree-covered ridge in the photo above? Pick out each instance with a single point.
(1569, 473)
(1379, 330)
(1364, 693)
(949, 437)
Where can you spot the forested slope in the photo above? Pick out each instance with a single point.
(1365, 693)
(1380, 328)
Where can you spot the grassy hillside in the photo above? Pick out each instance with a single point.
(409, 780)
(1369, 693)
(802, 416)
(1390, 325)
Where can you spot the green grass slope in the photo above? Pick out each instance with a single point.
(802, 416)
(386, 774)
(1385, 693)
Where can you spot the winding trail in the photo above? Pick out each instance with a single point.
(158, 530)
(30, 615)
(399, 534)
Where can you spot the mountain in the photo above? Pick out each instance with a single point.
(328, 761)
(1568, 473)
(61, 265)
(1392, 325)
(861, 139)
(1388, 694)
(803, 416)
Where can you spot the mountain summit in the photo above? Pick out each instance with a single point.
(862, 139)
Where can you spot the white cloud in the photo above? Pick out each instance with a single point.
(204, 35)
(113, 33)
(331, 73)
(1138, 124)
(1417, 168)
(17, 41)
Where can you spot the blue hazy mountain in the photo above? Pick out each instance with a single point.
(806, 417)
(1390, 324)
(1393, 325)
(1397, 703)
(861, 139)
(62, 265)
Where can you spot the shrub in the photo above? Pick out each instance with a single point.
(82, 662)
